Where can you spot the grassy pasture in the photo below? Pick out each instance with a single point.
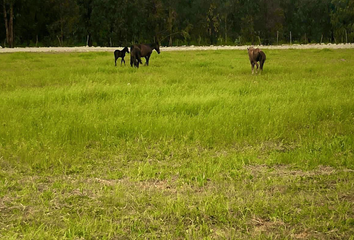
(191, 147)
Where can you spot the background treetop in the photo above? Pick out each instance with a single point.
(182, 22)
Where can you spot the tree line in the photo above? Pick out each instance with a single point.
(174, 22)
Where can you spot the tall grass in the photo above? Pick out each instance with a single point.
(61, 103)
(190, 118)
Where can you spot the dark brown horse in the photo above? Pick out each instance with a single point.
(256, 55)
(146, 50)
(135, 57)
(120, 54)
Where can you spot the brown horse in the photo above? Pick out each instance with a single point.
(135, 57)
(146, 50)
(256, 55)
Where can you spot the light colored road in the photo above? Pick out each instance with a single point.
(181, 48)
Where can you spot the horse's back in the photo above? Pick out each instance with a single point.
(256, 54)
(145, 50)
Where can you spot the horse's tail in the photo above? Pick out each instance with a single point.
(262, 60)
(137, 58)
(263, 55)
(132, 59)
(138, 55)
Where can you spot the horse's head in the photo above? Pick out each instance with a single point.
(125, 49)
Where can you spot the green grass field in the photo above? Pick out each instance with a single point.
(191, 147)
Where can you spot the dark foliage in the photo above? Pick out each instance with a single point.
(182, 22)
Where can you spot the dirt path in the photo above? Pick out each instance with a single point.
(181, 48)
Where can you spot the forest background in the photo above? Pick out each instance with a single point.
(39, 23)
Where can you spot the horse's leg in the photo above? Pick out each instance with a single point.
(147, 60)
(252, 64)
(256, 68)
(121, 61)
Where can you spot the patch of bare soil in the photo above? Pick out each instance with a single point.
(285, 170)
(161, 185)
(266, 225)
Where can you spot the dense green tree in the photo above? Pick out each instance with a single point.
(31, 22)
(64, 26)
(342, 20)
(201, 22)
(85, 26)
(8, 14)
(308, 20)
(170, 30)
(270, 22)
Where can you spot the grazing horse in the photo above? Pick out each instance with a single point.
(146, 50)
(256, 55)
(120, 54)
(135, 57)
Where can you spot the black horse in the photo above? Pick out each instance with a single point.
(146, 50)
(135, 57)
(120, 54)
